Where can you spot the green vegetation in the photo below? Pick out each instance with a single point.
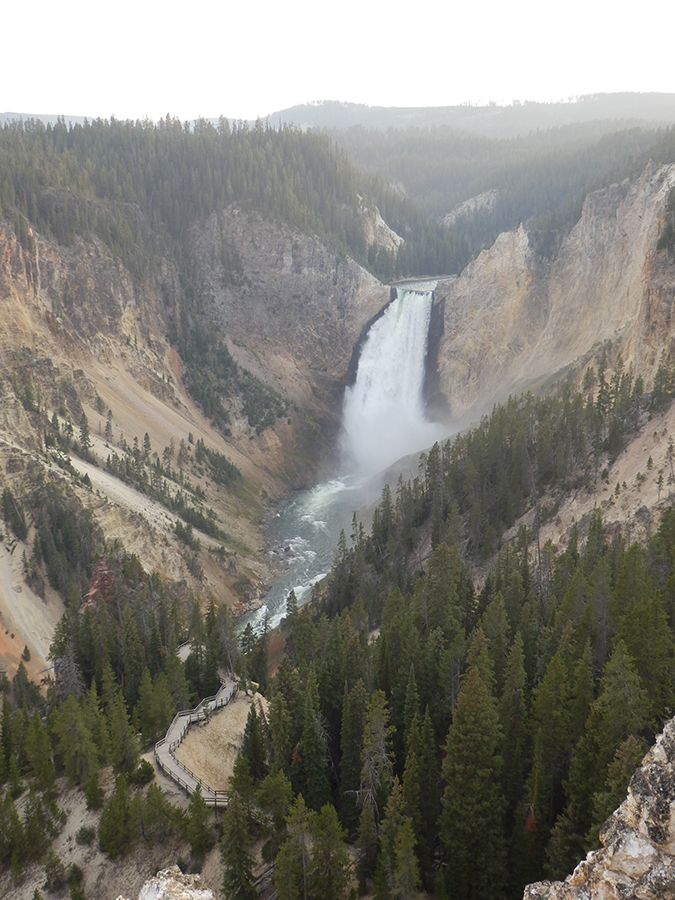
(212, 375)
(481, 739)
(133, 466)
(117, 676)
(540, 178)
(475, 744)
(465, 738)
(139, 186)
(666, 239)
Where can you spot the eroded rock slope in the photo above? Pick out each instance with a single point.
(513, 318)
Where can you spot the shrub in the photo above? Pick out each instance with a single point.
(86, 834)
(144, 773)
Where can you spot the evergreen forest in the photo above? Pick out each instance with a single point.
(425, 734)
(539, 179)
(139, 186)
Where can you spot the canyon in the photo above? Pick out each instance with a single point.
(82, 335)
(91, 336)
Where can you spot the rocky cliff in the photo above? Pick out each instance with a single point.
(171, 884)
(513, 318)
(82, 334)
(285, 297)
(637, 859)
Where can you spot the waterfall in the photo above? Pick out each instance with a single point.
(383, 420)
(383, 414)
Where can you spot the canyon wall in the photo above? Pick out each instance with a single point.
(286, 297)
(82, 334)
(512, 318)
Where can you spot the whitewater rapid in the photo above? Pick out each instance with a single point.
(383, 420)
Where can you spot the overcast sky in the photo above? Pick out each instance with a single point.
(133, 58)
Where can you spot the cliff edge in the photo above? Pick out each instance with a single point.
(637, 858)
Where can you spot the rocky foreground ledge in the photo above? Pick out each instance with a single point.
(637, 859)
(172, 884)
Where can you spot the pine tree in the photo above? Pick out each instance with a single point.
(420, 790)
(199, 829)
(85, 439)
(329, 873)
(145, 714)
(354, 708)
(513, 719)
(39, 753)
(367, 845)
(124, 751)
(495, 625)
(281, 732)
(237, 861)
(253, 746)
(645, 632)
(313, 778)
(132, 657)
(313, 861)
(115, 830)
(160, 817)
(621, 710)
(398, 874)
(376, 759)
(620, 770)
(74, 743)
(93, 792)
(292, 870)
(242, 783)
(471, 821)
(550, 723)
(412, 703)
(97, 726)
(274, 797)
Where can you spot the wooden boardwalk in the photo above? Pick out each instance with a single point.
(175, 734)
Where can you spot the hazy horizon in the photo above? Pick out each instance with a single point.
(250, 62)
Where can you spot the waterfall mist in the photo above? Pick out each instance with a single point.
(383, 414)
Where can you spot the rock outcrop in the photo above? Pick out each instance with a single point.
(513, 318)
(284, 293)
(637, 859)
(172, 884)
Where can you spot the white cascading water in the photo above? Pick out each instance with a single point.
(383, 415)
(383, 420)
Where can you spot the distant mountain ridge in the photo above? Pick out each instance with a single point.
(623, 110)
(618, 110)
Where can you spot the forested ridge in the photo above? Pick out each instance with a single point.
(540, 178)
(138, 187)
(463, 741)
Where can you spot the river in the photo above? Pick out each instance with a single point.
(383, 420)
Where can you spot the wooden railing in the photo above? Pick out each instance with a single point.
(180, 724)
